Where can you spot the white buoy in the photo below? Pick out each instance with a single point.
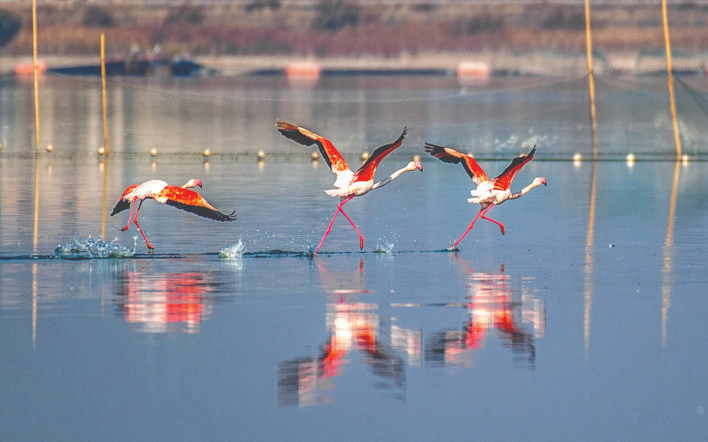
(50, 148)
(416, 158)
(101, 150)
(206, 152)
(364, 156)
(153, 152)
(315, 156)
(261, 155)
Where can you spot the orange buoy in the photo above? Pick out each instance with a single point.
(303, 69)
(473, 72)
(27, 68)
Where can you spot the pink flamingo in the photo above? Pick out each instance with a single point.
(160, 191)
(348, 184)
(488, 193)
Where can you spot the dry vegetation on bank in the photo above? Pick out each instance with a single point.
(386, 30)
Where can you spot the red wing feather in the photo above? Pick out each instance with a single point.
(503, 181)
(331, 155)
(191, 201)
(449, 155)
(367, 170)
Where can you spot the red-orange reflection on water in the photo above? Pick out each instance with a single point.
(489, 306)
(353, 326)
(167, 302)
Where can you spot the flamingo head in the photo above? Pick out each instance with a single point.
(413, 165)
(540, 180)
(193, 183)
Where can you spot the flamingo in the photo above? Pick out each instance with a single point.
(179, 197)
(348, 184)
(488, 193)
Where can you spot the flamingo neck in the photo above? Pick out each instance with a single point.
(410, 167)
(535, 183)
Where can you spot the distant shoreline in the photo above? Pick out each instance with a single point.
(531, 63)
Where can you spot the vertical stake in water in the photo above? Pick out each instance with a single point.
(35, 234)
(669, 69)
(591, 79)
(589, 239)
(105, 133)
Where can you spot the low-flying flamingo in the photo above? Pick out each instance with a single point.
(179, 197)
(348, 184)
(488, 193)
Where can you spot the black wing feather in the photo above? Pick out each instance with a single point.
(203, 211)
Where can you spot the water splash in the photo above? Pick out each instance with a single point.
(384, 248)
(94, 248)
(235, 251)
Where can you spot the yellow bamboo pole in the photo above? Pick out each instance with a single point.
(36, 74)
(35, 233)
(103, 89)
(105, 134)
(669, 69)
(591, 78)
(590, 236)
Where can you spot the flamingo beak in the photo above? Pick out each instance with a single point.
(419, 165)
(199, 183)
(543, 180)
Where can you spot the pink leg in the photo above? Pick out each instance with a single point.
(468, 229)
(361, 237)
(135, 220)
(329, 227)
(132, 206)
(501, 226)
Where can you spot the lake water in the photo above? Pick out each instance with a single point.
(585, 321)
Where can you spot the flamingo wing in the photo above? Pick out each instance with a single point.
(503, 180)
(123, 203)
(367, 170)
(191, 201)
(449, 155)
(331, 155)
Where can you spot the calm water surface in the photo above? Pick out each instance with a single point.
(585, 321)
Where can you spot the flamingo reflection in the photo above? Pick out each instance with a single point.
(490, 307)
(352, 326)
(164, 302)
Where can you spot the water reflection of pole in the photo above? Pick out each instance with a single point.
(670, 79)
(589, 240)
(34, 306)
(668, 255)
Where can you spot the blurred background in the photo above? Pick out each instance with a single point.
(511, 36)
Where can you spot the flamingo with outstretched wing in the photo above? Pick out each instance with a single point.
(348, 183)
(488, 193)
